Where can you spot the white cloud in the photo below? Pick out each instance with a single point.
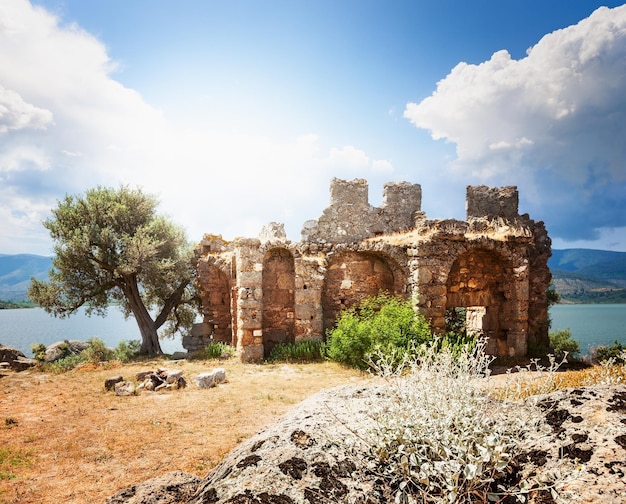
(16, 114)
(98, 132)
(552, 121)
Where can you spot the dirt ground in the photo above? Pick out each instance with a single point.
(63, 438)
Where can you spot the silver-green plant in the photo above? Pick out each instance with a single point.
(438, 437)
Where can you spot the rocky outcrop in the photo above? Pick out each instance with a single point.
(302, 459)
(172, 488)
(61, 349)
(15, 359)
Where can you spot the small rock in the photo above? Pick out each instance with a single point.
(109, 383)
(23, 363)
(142, 375)
(208, 380)
(124, 388)
(172, 375)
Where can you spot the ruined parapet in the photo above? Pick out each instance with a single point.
(273, 232)
(492, 202)
(350, 218)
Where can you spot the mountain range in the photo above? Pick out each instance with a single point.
(579, 275)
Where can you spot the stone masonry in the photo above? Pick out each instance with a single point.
(258, 292)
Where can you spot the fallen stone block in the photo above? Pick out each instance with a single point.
(208, 380)
(124, 388)
(109, 383)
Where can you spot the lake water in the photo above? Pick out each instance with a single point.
(22, 327)
(591, 325)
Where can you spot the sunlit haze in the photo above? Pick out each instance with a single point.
(236, 113)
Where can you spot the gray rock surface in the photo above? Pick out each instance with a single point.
(60, 349)
(171, 488)
(303, 458)
(211, 379)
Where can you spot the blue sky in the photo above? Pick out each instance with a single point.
(237, 113)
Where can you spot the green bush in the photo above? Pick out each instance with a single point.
(39, 351)
(302, 351)
(380, 325)
(217, 350)
(66, 363)
(562, 343)
(97, 351)
(127, 350)
(615, 352)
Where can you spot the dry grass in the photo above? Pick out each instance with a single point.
(64, 439)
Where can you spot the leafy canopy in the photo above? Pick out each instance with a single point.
(112, 246)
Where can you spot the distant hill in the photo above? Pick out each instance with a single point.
(16, 272)
(589, 276)
(579, 275)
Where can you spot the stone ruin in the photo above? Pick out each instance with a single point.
(259, 292)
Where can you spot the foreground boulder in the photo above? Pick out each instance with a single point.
(172, 488)
(303, 460)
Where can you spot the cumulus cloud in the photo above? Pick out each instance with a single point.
(16, 114)
(551, 123)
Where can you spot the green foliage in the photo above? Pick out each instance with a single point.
(553, 295)
(562, 343)
(66, 363)
(615, 353)
(111, 246)
(380, 325)
(126, 350)
(39, 351)
(302, 351)
(97, 352)
(218, 350)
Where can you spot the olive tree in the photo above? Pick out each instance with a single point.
(111, 246)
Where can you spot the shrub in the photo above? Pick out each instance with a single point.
(218, 350)
(437, 437)
(302, 351)
(39, 351)
(97, 351)
(126, 350)
(615, 352)
(380, 325)
(563, 344)
(67, 363)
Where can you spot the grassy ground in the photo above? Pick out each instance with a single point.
(64, 439)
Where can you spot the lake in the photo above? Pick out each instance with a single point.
(21, 328)
(591, 325)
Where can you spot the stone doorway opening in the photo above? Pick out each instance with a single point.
(217, 306)
(480, 282)
(278, 284)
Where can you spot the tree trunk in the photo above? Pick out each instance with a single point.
(150, 344)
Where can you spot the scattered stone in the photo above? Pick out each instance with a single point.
(208, 380)
(124, 388)
(109, 383)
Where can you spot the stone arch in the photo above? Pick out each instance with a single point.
(482, 282)
(353, 276)
(278, 284)
(217, 304)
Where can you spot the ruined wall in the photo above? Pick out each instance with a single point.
(494, 264)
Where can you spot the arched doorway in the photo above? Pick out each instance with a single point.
(352, 277)
(480, 282)
(279, 283)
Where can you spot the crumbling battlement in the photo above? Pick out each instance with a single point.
(257, 293)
